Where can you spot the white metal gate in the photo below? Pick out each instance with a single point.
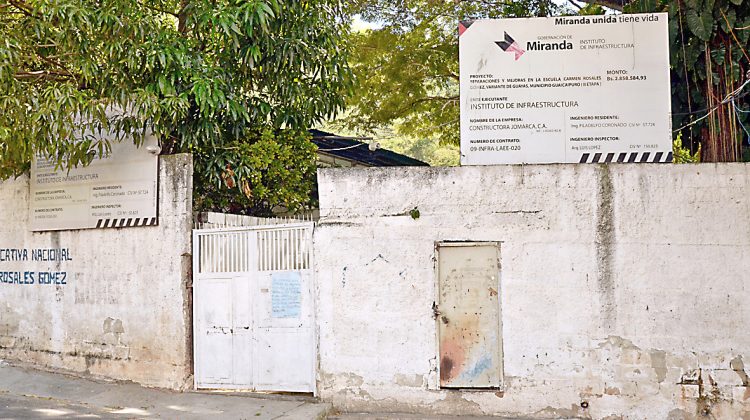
(253, 314)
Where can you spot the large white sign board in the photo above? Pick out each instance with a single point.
(116, 191)
(576, 89)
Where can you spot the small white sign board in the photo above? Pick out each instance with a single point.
(116, 191)
(580, 89)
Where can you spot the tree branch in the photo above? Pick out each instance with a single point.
(160, 10)
(576, 5)
(23, 8)
(182, 17)
(43, 75)
(64, 72)
(611, 4)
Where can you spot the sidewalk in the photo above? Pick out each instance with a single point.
(397, 416)
(26, 393)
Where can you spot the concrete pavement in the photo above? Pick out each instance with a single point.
(26, 393)
(397, 416)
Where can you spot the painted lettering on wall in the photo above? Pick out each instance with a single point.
(34, 277)
(35, 254)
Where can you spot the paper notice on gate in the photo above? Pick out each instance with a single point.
(286, 295)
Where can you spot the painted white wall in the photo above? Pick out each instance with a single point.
(124, 312)
(622, 286)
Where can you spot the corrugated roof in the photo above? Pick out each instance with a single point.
(352, 149)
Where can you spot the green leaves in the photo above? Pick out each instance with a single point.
(200, 74)
(407, 68)
(267, 169)
(700, 24)
(708, 58)
(683, 154)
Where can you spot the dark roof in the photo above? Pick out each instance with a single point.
(352, 149)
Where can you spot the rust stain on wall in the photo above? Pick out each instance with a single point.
(452, 353)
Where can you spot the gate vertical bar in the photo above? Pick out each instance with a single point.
(197, 268)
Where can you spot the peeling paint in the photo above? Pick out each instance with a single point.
(614, 341)
(659, 363)
(612, 391)
(350, 380)
(9, 321)
(455, 401)
(679, 414)
(575, 411)
(414, 381)
(691, 377)
(738, 366)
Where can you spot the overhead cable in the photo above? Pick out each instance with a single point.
(728, 99)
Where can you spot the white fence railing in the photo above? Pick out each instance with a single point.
(256, 248)
(212, 220)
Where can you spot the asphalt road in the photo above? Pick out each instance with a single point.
(26, 393)
(25, 407)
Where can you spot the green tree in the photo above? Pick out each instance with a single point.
(424, 149)
(407, 68)
(236, 82)
(709, 42)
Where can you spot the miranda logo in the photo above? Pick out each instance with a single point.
(510, 45)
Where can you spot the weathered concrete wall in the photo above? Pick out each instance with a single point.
(624, 288)
(123, 311)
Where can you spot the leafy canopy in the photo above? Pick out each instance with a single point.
(220, 79)
(709, 44)
(407, 67)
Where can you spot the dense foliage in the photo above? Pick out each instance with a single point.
(236, 82)
(407, 67)
(275, 169)
(709, 42)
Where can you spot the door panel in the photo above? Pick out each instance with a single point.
(215, 331)
(242, 349)
(284, 333)
(284, 360)
(469, 315)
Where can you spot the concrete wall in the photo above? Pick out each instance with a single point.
(123, 311)
(624, 288)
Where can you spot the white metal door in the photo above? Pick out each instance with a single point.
(223, 331)
(212, 333)
(253, 308)
(469, 315)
